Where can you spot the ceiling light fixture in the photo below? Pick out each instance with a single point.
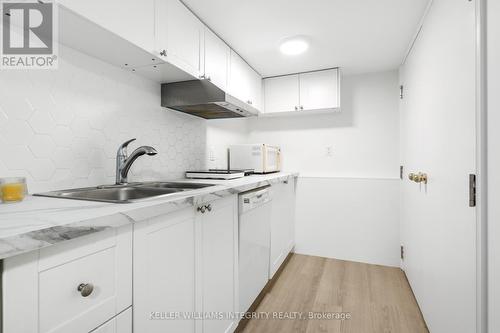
(294, 46)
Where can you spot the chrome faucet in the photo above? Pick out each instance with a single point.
(124, 162)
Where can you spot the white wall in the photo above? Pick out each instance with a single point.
(62, 128)
(347, 205)
(493, 55)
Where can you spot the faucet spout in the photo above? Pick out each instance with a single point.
(124, 162)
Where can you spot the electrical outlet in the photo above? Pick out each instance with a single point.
(211, 155)
(329, 151)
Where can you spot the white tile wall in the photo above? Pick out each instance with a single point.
(62, 128)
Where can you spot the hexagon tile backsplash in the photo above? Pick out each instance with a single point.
(62, 128)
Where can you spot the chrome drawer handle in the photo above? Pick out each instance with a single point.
(202, 209)
(85, 289)
(209, 207)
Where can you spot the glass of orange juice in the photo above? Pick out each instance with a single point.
(13, 189)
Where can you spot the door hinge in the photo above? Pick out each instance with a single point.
(401, 170)
(402, 252)
(472, 190)
(401, 91)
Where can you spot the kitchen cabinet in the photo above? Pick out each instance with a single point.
(281, 93)
(164, 272)
(312, 91)
(122, 323)
(184, 262)
(219, 234)
(282, 223)
(179, 36)
(319, 90)
(130, 19)
(244, 83)
(73, 286)
(216, 59)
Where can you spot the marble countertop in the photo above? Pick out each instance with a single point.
(38, 222)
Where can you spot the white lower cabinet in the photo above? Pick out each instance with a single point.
(122, 323)
(164, 273)
(184, 265)
(219, 266)
(282, 223)
(74, 286)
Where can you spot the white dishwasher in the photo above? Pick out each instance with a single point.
(254, 244)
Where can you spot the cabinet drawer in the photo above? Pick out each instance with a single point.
(60, 302)
(41, 289)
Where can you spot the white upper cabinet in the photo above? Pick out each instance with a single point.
(281, 94)
(216, 59)
(319, 90)
(178, 35)
(130, 19)
(311, 91)
(244, 83)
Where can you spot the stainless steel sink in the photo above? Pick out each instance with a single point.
(125, 193)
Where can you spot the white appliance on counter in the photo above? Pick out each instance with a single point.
(260, 157)
(254, 244)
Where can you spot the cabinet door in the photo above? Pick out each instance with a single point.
(255, 89)
(319, 90)
(219, 266)
(244, 83)
(281, 94)
(178, 32)
(122, 323)
(239, 86)
(282, 223)
(164, 273)
(40, 289)
(130, 19)
(216, 59)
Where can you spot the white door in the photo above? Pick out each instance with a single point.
(164, 273)
(133, 20)
(255, 88)
(179, 33)
(218, 256)
(281, 94)
(122, 323)
(319, 90)
(438, 138)
(282, 224)
(239, 84)
(216, 59)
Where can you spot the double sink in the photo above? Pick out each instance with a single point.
(125, 193)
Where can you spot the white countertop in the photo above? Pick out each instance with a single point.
(39, 221)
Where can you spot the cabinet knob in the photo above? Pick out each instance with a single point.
(209, 78)
(202, 77)
(209, 207)
(301, 107)
(202, 209)
(249, 102)
(296, 108)
(85, 289)
(163, 53)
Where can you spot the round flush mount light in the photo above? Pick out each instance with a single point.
(294, 46)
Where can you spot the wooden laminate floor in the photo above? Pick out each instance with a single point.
(377, 298)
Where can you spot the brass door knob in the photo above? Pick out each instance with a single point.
(418, 177)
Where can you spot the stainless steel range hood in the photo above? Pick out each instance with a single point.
(204, 99)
